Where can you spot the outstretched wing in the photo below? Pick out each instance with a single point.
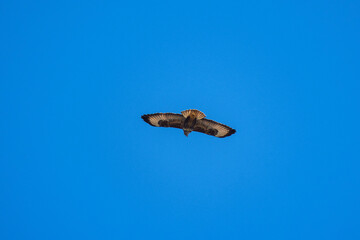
(164, 120)
(213, 128)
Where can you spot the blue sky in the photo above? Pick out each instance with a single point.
(78, 162)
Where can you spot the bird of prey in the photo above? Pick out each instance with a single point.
(189, 120)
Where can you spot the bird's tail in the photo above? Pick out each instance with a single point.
(196, 113)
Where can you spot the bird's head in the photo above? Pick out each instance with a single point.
(186, 132)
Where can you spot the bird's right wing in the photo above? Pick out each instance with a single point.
(164, 120)
(213, 128)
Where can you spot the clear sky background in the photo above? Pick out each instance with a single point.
(78, 162)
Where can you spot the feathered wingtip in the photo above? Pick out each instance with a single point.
(196, 113)
(146, 117)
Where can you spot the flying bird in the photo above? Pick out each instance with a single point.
(189, 120)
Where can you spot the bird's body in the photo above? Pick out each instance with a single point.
(191, 117)
(189, 125)
(189, 120)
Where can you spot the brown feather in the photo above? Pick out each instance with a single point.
(164, 120)
(213, 128)
(193, 113)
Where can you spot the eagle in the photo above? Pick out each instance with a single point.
(189, 120)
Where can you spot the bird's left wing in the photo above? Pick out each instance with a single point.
(164, 120)
(213, 128)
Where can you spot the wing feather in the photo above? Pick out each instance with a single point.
(164, 120)
(213, 128)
